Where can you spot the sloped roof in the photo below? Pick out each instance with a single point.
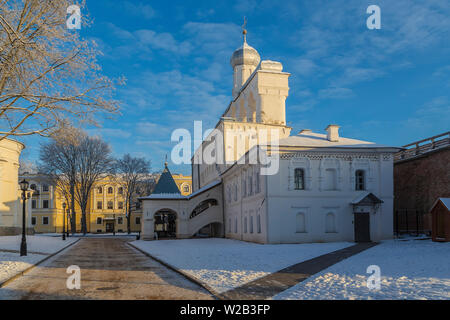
(313, 139)
(445, 202)
(166, 184)
(366, 198)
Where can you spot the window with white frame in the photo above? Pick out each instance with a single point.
(99, 220)
(45, 204)
(45, 220)
(245, 225)
(229, 225)
(299, 179)
(251, 224)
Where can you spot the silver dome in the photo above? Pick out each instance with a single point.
(245, 55)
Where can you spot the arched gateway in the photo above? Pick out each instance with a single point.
(165, 223)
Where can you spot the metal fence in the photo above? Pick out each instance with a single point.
(407, 221)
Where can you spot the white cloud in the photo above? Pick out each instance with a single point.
(139, 9)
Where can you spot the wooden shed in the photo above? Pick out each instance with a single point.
(440, 216)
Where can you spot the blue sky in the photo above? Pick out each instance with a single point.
(390, 86)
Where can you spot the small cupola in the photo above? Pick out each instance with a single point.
(332, 132)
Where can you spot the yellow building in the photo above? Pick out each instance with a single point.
(184, 183)
(105, 212)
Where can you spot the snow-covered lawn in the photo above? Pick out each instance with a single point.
(415, 269)
(11, 263)
(224, 264)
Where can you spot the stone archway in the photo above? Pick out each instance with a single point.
(165, 225)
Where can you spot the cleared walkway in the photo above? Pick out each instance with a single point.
(273, 284)
(110, 269)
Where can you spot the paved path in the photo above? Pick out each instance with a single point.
(110, 269)
(271, 285)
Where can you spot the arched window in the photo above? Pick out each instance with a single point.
(300, 223)
(202, 206)
(360, 180)
(186, 188)
(110, 190)
(330, 223)
(120, 190)
(110, 205)
(235, 192)
(299, 179)
(100, 190)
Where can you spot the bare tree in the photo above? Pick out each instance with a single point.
(131, 172)
(49, 75)
(59, 161)
(94, 162)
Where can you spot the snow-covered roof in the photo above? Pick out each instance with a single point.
(313, 139)
(171, 196)
(366, 195)
(445, 202)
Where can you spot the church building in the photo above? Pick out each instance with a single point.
(322, 187)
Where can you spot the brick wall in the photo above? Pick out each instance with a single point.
(418, 182)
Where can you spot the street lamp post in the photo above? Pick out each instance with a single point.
(67, 229)
(23, 245)
(64, 222)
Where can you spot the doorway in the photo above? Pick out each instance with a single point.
(109, 227)
(362, 227)
(166, 223)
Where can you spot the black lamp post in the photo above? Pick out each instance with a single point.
(67, 227)
(23, 245)
(64, 222)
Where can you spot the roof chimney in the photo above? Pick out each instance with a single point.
(332, 132)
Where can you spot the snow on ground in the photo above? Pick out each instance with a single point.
(38, 247)
(224, 264)
(415, 269)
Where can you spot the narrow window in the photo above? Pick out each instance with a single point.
(250, 185)
(33, 204)
(110, 205)
(258, 187)
(45, 220)
(120, 190)
(258, 222)
(245, 225)
(360, 181)
(100, 190)
(99, 205)
(235, 225)
(119, 220)
(45, 188)
(110, 190)
(299, 179)
(229, 225)
(45, 204)
(138, 220)
(99, 220)
(33, 221)
(120, 205)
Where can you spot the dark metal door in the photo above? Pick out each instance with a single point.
(362, 227)
(109, 227)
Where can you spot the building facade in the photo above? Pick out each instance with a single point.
(10, 194)
(421, 176)
(311, 187)
(105, 212)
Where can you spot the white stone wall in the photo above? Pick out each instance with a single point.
(301, 215)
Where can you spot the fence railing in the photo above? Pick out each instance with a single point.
(409, 222)
(423, 146)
